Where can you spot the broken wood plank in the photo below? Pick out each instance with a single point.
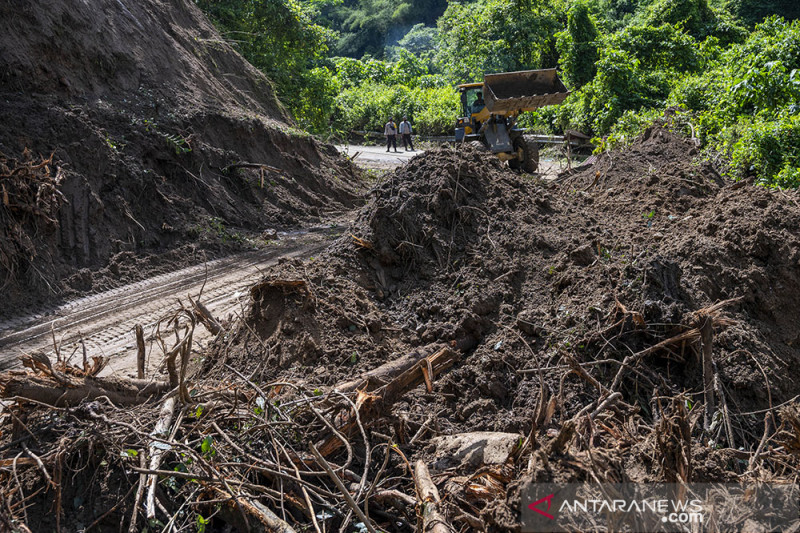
(428, 498)
(388, 371)
(375, 402)
(205, 317)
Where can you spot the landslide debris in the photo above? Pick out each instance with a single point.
(610, 270)
(146, 115)
(483, 329)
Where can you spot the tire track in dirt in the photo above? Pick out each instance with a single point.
(104, 322)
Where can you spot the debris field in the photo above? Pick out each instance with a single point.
(475, 329)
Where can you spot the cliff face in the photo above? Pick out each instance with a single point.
(144, 108)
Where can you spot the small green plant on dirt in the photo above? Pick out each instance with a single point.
(551, 270)
(115, 146)
(153, 524)
(215, 226)
(201, 523)
(178, 143)
(207, 447)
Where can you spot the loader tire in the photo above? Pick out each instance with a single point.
(528, 148)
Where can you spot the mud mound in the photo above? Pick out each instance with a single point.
(497, 328)
(554, 292)
(162, 133)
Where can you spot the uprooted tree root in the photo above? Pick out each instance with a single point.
(280, 455)
(29, 202)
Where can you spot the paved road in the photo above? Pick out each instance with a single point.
(105, 322)
(377, 156)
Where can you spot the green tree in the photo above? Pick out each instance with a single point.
(367, 27)
(755, 11)
(578, 46)
(280, 38)
(747, 105)
(498, 35)
(696, 17)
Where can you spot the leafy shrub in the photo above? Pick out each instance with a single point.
(747, 104)
(432, 111)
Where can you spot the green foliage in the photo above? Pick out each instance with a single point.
(316, 98)
(755, 11)
(280, 38)
(578, 46)
(368, 107)
(637, 69)
(696, 17)
(419, 39)
(487, 36)
(207, 446)
(769, 149)
(369, 26)
(747, 105)
(665, 47)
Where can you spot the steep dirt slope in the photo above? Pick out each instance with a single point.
(146, 112)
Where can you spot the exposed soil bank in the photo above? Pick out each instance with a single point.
(147, 112)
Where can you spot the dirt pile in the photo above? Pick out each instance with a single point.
(630, 322)
(612, 270)
(162, 133)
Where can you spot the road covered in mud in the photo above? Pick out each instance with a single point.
(102, 324)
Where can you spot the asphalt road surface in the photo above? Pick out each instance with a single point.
(377, 156)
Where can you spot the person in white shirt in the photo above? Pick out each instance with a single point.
(391, 132)
(405, 131)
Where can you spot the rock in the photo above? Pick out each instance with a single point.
(481, 406)
(473, 449)
(527, 323)
(583, 255)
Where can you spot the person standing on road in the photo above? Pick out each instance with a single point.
(391, 135)
(405, 131)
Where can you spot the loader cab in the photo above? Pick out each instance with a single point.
(467, 125)
(471, 98)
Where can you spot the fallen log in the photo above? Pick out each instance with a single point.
(250, 515)
(375, 402)
(428, 497)
(68, 391)
(388, 371)
(64, 386)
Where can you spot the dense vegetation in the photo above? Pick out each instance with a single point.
(726, 68)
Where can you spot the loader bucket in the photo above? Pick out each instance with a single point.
(526, 90)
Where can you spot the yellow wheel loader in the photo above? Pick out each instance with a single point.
(490, 110)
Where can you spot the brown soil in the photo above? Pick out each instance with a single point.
(520, 274)
(144, 109)
(565, 317)
(552, 296)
